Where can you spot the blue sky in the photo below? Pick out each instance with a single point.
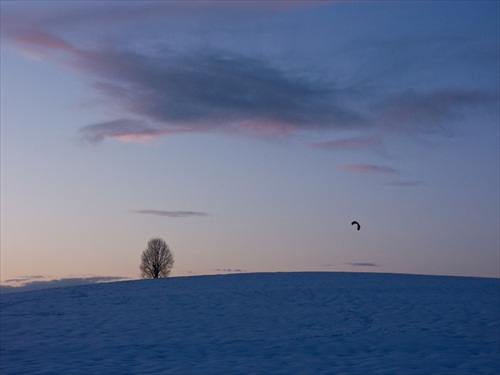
(249, 135)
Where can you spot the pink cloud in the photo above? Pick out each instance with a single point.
(40, 39)
(37, 44)
(368, 168)
(126, 130)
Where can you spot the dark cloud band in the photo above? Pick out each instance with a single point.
(362, 264)
(27, 284)
(368, 168)
(173, 214)
(161, 92)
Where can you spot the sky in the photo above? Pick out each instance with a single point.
(249, 135)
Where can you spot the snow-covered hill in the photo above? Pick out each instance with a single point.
(306, 323)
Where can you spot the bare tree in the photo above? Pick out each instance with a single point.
(157, 260)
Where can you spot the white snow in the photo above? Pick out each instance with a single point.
(260, 323)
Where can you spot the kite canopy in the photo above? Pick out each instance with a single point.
(357, 224)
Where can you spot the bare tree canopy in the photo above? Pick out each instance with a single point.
(157, 260)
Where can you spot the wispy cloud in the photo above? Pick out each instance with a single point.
(406, 183)
(147, 12)
(368, 168)
(40, 41)
(125, 130)
(196, 91)
(362, 264)
(24, 279)
(160, 90)
(427, 112)
(173, 214)
(214, 90)
(27, 284)
(351, 143)
(230, 270)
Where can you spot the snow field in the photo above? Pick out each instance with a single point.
(262, 323)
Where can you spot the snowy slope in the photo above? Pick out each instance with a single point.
(307, 323)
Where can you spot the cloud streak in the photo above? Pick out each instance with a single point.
(172, 214)
(24, 279)
(230, 270)
(427, 112)
(27, 285)
(363, 264)
(350, 143)
(125, 130)
(405, 183)
(368, 168)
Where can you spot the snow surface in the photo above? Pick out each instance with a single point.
(306, 323)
